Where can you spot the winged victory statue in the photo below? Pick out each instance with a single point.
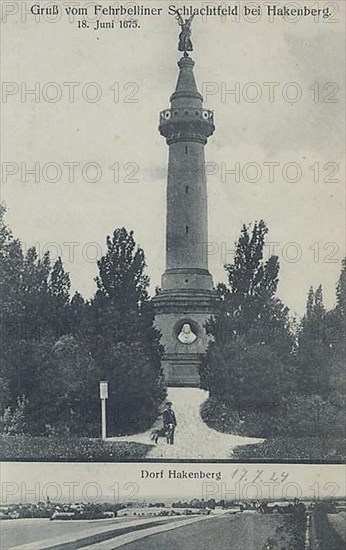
(185, 44)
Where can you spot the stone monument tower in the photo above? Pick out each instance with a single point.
(186, 299)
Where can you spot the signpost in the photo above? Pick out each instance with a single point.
(103, 397)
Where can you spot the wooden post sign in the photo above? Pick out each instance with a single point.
(103, 389)
(103, 397)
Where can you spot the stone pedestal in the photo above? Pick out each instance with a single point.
(181, 318)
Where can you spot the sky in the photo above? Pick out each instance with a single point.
(31, 482)
(133, 72)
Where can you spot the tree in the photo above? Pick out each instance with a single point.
(34, 294)
(314, 347)
(341, 292)
(77, 313)
(249, 357)
(249, 306)
(322, 345)
(59, 291)
(121, 335)
(321, 349)
(34, 301)
(11, 267)
(121, 277)
(54, 352)
(336, 335)
(36, 319)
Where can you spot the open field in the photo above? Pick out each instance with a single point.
(247, 531)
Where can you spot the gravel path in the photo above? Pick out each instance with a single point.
(193, 438)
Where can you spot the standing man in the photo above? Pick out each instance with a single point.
(169, 422)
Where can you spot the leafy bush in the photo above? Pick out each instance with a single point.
(136, 388)
(60, 380)
(296, 416)
(13, 421)
(244, 375)
(223, 418)
(311, 415)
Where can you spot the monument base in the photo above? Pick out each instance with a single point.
(181, 371)
(181, 318)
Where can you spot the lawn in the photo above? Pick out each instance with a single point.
(68, 449)
(282, 448)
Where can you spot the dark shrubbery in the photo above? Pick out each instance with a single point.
(296, 416)
(311, 415)
(223, 418)
(58, 380)
(246, 376)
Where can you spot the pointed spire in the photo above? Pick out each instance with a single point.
(186, 85)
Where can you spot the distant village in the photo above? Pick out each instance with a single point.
(92, 511)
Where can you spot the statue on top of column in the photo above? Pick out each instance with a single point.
(185, 44)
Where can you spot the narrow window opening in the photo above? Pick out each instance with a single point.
(187, 229)
(186, 150)
(187, 189)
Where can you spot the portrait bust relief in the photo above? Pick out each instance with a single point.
(186, 335)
